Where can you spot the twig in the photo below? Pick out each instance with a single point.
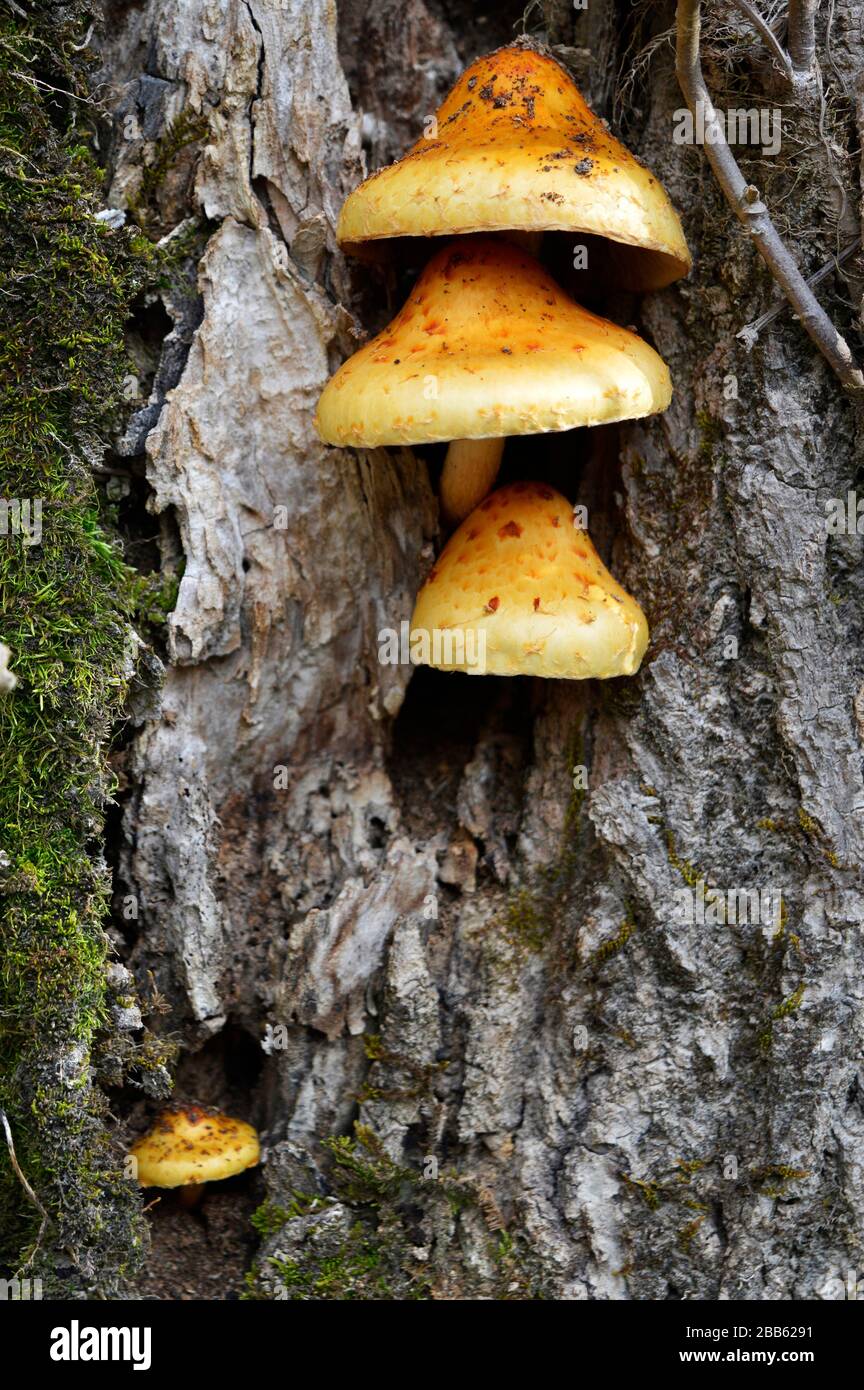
(749, 334)
(16, 9)
(744, 199)
(10, 149)
(10, 1144)
(98, 468)
(77, 47)
(772, 43)
(801, 36)
(48, 87)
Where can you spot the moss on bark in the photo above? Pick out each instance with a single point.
(68, 280)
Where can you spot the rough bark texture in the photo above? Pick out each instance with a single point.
(396, 878)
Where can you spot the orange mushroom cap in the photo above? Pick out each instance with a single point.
(189, 1146)
(517, 148)
(520, 590)
(488, 345)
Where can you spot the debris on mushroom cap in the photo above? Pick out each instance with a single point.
(188, 1146)
(515, 147)
(520, 590)
(488, 345)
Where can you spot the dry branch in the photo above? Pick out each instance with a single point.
(744, 199)
(802, 35)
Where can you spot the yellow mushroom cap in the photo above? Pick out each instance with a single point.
(520, 590)
(517, 148)
(488, 345)
(188, 1146)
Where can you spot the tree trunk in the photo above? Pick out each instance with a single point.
(375, 908)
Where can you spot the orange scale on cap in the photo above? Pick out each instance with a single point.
(444, 186)
(535, 388)
(589, 635)
(187, 1146)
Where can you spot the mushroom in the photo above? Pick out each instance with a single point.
(487, 346)
(520, 590)
(189, 1146)
(515, 147)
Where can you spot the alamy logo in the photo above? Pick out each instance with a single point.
(77, 1343)
(708, 125)
(843, 1286)
(20, 1290)
(735, 906)
(440, 647)
(845, 515)
(21, 516)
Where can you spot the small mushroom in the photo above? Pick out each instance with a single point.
(515, 147)
(188, 1147)
(520, 590)
(488, 346)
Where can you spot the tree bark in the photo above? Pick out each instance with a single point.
(373, 896)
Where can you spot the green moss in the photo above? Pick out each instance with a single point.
(189, 128)
(616, 943)
(363, 1174)
(68, 281)
(361, 1241)
(687, 1233)
(360, 1268)
(419, 1078)
(813, 830)
(687, 1168)
(154, 596)
(765, 1039)
(773, 1179)
(791, 1005)
(270, 1217)
(373, 1046)
(648, 1191)
(672, 1187)
(785, 1009)
(527, 921)
(691, 876)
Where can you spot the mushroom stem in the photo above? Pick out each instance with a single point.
(532, 242)
(190, 1194)
(470, 469)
